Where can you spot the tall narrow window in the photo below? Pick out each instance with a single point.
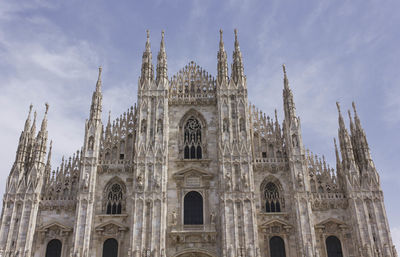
(272, 199)
(54, 248)
(334, 247)
(110, 248)
(193, 208)
(192, 139)
(277, 247)
(114, 199)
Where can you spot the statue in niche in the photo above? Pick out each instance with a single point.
(245, 180)
(140, 180)
(91, 143)
(174, 218)
(295, 140)
(228, 180)
(212, 217)
(86, 180)
(157, 181)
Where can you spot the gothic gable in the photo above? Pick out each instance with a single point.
(192, 84)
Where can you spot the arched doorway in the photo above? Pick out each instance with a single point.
(333, 247)
(277, 247)
(193, 208)
(54, 248)
(110, 248)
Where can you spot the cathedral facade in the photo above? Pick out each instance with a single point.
(194, 170)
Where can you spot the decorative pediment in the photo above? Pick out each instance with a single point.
(193, 177)
(111, 228)
(331, 225)
(275, 226)
(55, 226)
(54, 230)
(276, 222)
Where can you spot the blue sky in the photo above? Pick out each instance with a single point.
(334, 51)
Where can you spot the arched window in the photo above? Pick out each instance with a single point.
(334, 247)
(193, 208)
(277, 247)
(192, 139)
(54, 248)
(110, 248)
(272, 199)
(114, 199)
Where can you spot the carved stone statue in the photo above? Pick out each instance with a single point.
(212, 217)
(140, 181)
(174, 218)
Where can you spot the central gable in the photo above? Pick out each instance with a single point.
(191, 85)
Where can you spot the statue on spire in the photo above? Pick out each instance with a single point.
(162, 62)
(222, 65)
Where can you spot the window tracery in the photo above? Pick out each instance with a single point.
(114, 199)
(192, 139)
(272, 197)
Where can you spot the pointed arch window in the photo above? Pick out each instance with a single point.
(272, 198)
(110, 248)
(53, 248)
(333, 247)
(277, 247)
(114, 199)
(192, 139)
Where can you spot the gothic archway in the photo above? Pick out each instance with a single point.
(277, 247)
(110, 248)
(333, 247)
(54, 248)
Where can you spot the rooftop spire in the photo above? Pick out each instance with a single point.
(147, 65)
(237, 65)
(148, 41)
(288, 102)
(162, 61)
(222, 65)
(98, 84)
(95, 108)
(44, 122)
(356, 118)
(236, 41)
(221, 41)
(341, 122)
(28, 119)
(285, 79)
(33, 128)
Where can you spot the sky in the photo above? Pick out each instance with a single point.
(337, 50)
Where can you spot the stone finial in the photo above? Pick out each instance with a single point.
(338, 107)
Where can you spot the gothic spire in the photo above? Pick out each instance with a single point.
(147, 65)
(33, 127)
(288, 102)
(360, 141)
(43, 127)
(222, 60)
(98, 84)
(28, 119)
(96, 106)
(344, 140)
(338, 163)
(162, 62)
(237, 65)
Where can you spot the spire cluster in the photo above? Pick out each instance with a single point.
(353, 146)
